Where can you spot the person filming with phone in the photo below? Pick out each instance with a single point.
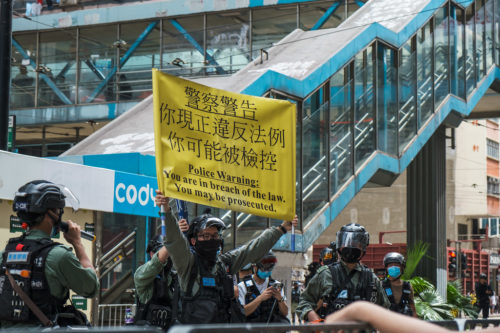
(262, 297)
(36, 273)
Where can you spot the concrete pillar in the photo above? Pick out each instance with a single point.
(426, 208)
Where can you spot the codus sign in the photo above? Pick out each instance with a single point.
(135, 195)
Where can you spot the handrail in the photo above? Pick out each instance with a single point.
(117, 246)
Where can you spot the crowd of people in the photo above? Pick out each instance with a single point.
(190, 280)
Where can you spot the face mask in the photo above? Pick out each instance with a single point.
(263, 274)
(350, 255)
(208, 249)
(394, 271)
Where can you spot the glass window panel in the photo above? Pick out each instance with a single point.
(484, 223)
(311, 13)
(97, 57)
(480, 39)
(314, 150)
(270, 25)
(441, 62)
(425, 75)
(470, 51)
(180, 55)
(134, 79)
(115, 227)
(457, 54)
(364, 112)
(494, 227)
(407, 101)
(248, 227)
(387, 85)
(23, 75)
(340, 129)
(489, 33)
(57, 62)
(228, 39)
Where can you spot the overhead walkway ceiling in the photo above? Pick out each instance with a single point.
(387, 89)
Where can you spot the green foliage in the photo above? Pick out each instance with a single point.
(460, 302)
(428, 303)
(413, 257)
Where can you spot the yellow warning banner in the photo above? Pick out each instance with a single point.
(223, 149)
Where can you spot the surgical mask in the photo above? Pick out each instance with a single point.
(208, 249)
(394, 271)
(350, 255)
(263, 274)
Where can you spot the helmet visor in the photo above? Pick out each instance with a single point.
(351, 239)
(71, 200)
(267, 264)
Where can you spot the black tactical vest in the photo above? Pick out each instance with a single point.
(404, 304)
(263, 311)
(344, 292)
(215, 301)
(25, 259)
(159, 310)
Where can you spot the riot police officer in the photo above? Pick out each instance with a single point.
(399, 293)
(328, 255)
(205, 273)
(341, 283)
(155, 285)
(261, 296)
(43, 269)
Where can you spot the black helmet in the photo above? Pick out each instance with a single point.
(155, 244)
(267, 262)
(394, 257)
(204, 221)
(483, 276)
(333, 246)
(352, 240)
(33, 199)
(327, 256)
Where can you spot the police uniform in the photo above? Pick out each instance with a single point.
(404, 305)
(207, 293)
(321, 287)
(155, 285)
(249, 290)
(63, 271)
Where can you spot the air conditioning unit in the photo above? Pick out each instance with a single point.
(63, 3)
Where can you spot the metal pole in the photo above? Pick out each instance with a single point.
(5, 62)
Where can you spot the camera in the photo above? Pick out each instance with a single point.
(276, 285)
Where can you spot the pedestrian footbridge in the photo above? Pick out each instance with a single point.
(370, 94)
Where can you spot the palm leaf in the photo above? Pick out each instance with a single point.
(413, 257)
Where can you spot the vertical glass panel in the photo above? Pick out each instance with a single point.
(340, 129)
(22, 73)
(228, 39)
(248, 227)
(387, 85)
(364, 112)
(183, 52)
(489, 18)
(97, 57)
(311, 13)
(494, 227)
(57, 63)
(441, 62)
(270, 25)
(134, 78)
(470, 71)
(115, 227)
(407, 101)
(480, 40)
(314, 153)
(457, 54)
(425, 75)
